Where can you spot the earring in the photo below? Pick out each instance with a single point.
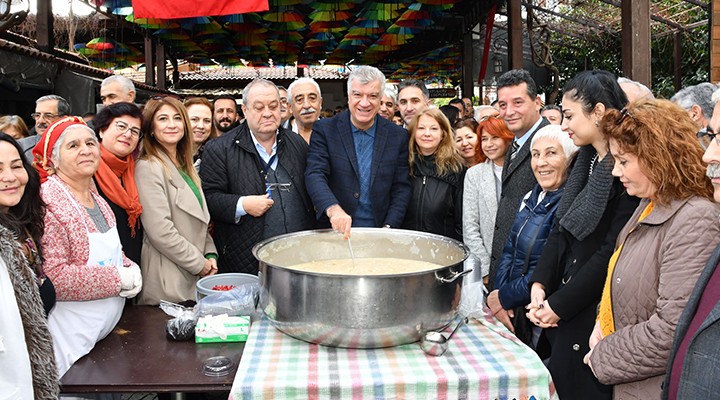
(597, 123)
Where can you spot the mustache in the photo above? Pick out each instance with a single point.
(713, 171)
(309, 110)
(225, 120)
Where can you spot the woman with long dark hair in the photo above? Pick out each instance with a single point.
(28, 363)
(569, 276)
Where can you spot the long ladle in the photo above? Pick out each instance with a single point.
(436, 343)
(352, 254)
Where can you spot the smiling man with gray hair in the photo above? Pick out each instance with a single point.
(305, 101)
(357, 168)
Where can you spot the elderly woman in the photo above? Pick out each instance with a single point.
(551, 151)
(177, 248)
(660, 252)
(436, 174)
(27, 362)
(81, 246)
(200, 113)
(14, 126)
(568, 278)
(118, 126)
(481, 192)
(466, 140)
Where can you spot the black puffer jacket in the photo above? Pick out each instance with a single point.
(436, 202)
(230, 169)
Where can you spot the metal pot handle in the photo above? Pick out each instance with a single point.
(452, 278)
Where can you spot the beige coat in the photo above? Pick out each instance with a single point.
(657, 269)
(176, 233)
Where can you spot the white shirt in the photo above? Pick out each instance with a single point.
(16, 375)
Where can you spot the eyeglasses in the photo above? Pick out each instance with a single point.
(50, 116)
(487, 117)
(712, 135)
(624, 113)
(285, 187)
(123, 128)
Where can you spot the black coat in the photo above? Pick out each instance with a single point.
(231, 169)
(573, 272)
(436, 201)
(517, 180)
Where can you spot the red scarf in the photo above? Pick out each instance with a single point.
(110, 173)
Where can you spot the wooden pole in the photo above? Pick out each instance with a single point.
(515, 34)
(45, 34)
(636, 40)
(467, 66)
(714, 41)
(149, 61)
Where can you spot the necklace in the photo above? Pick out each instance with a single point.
(592, 163)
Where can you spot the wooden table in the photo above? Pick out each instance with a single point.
(137, 357)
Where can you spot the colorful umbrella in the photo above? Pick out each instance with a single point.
(152, 23)
(101, 44)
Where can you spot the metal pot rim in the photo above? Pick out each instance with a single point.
(267, 241)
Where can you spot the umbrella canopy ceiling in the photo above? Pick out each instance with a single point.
(419, 38)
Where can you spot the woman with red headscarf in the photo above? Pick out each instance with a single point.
(83, 254)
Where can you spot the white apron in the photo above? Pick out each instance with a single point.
(76, 326)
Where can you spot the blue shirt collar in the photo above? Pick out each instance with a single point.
(521, 141)
(370, 131)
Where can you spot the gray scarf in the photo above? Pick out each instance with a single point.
(585, 199)
(37, 337)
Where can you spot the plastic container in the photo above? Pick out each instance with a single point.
(204, 286)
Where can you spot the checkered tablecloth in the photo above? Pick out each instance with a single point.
(484, 361)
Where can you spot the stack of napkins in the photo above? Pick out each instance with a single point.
(222, 328)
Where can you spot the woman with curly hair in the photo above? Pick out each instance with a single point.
(436, 174)
(660, 252)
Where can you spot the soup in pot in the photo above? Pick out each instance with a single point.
(366, 266)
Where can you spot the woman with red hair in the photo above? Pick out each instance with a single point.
(483, 184)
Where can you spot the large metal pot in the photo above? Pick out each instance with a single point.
(359, 311)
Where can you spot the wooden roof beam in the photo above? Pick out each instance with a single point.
(569, 18)
(652, 16)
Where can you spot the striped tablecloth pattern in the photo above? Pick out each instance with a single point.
(484, 361)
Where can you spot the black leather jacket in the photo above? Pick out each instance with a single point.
(436, 202)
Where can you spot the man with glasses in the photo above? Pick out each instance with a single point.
(253, 180)
(697, 101)
(48, 109)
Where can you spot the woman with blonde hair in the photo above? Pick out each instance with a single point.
(660, 252)
(14, 126)
(437, 172)
(177, 247)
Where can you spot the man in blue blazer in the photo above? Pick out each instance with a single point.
(357, 170)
